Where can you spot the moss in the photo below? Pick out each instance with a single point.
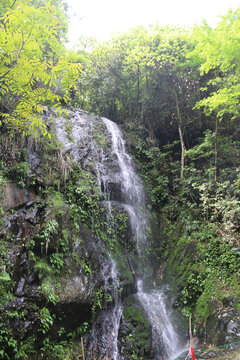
(136, 339)
(68, 129)
(181, 260)
(133, 313)
(205, 305)
(127, 275)
(202, 269)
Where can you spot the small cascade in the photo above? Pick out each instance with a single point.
(165, 341)
(104, 333)
(164, 337)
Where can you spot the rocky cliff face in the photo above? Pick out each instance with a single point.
(68, 257)
(57, 239)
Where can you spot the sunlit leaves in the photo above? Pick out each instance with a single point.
(33, 70)
(218, 52)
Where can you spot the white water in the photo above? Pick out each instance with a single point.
(165, 339)
(131, 186)
(106, 327)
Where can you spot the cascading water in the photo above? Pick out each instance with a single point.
(165, 340)
(131, 187)
(106, 327)
(103, 341)
(164, 337)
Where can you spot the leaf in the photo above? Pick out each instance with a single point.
(5, 276)
(35, 73)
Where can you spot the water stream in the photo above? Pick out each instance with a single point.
(105, 329)
(165, 339)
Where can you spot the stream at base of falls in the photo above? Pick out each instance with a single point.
(165, 340)
(166, 343)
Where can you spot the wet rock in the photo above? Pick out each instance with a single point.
(31, 214)
(20, 286)
(31, 278)
(34, 160)
(74, 289)
(17, 196)
(219, 354)
(223, 327)
(103, 338)
(134, 332)
(32, 293)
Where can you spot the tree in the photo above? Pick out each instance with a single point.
(168, 69)
(144, 78)
(34, 67)
(218, 53)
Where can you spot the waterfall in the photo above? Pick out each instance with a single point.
(165, 339)
(103, 341)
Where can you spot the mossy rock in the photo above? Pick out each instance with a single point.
(134, 332)
(181, 261)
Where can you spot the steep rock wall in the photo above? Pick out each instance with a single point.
(57, 237)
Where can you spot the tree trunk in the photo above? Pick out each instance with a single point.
(216, 150)
(180, 130)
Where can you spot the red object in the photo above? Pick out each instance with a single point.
(191, 352)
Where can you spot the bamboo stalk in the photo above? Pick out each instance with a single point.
(190, 330)
(83, 355)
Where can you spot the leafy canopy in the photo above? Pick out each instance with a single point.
(34, 67)
(218, 54)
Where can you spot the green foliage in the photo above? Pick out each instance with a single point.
(25, 349)
(4, 276)
(98, 300)
(49, 230)
(65, 349)
(46, 321)
(144, 77)
(206, 213)
(82, 330)
(83, 194)
(9, 346)
(223, 65)
(57, 262)
(204, 150)
(101, 139)
(137, 74)
(55, 202)
(48, 291)
(33, 65)
(153, 169)
(42, 268)
(138, 339)
(121, 221)
(68, 129)
(16, 168)
(203, 267)
(19, 173)
(86, 267)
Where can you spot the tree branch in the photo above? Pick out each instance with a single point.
(13, 4)
(2, 76)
